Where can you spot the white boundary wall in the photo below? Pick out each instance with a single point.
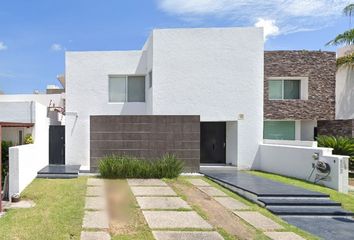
(26, 160)
(296, 161)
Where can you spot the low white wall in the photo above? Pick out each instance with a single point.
(26, 160)
(296, 161)
(22, 112)
(291, 142)
(24, 163)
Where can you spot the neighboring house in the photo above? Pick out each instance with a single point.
(196, 93)
(299, 90)
(24, 114)
(344, 123)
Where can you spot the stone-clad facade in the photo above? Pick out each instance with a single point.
(319, 67)
(344, 128)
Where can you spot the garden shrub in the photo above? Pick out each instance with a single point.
(340, 145)
(29, 139)
(5, 145)
(122, 166)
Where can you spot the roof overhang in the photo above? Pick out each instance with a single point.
(16, 124)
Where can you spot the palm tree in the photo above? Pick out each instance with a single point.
(346, 38)
(348, 11)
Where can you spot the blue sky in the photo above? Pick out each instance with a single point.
(34, 35)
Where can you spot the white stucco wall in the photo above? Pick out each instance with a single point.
(26, 160)
(21, 112)
(43, 99)
(307, 130)
(87, 94)
(345, 88)
(296, 161)
(148, 52)
(231, 143)
(216, 73)
(18, 108)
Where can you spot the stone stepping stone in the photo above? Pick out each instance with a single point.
(95, 203)
(283, 236)
(96, 219)
(175, 219)
(146, 182)
(20, 204)
(199, 182)
(95, 236)
(258, 220)
(95, 191)
(161, 203)
(169, 235)
(95, 182)
(231, 203)
(153, 191)
(212, 191)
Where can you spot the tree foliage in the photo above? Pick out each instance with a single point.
(344, 38)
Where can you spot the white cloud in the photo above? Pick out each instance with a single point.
(56, 47)
(269, 27)
(290, 15)
(2, 46)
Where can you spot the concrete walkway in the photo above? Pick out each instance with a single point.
(96, 220)
(163, 209)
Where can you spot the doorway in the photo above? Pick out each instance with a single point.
(213, 142)
(57, 145)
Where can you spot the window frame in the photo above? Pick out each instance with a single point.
(283, 86)
(303, 94)
(126, 76)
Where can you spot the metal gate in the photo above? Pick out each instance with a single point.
(57, 145)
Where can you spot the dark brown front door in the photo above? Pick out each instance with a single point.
(212, 142)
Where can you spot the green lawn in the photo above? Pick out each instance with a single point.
(347, 200)
(57, 215)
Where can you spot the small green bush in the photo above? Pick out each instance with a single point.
(29, 139)
(116, 166)
(340, 145)
(5, 145)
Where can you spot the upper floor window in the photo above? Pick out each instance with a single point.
(284, 89)
(126, 88)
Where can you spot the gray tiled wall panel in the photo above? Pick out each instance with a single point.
(146, 137)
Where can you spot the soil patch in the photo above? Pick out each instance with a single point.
(217, 215)
(125, 216)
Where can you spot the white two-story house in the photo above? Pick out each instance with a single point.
(196, 93)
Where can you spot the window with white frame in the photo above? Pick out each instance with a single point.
(126, 89)
(280, 89)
